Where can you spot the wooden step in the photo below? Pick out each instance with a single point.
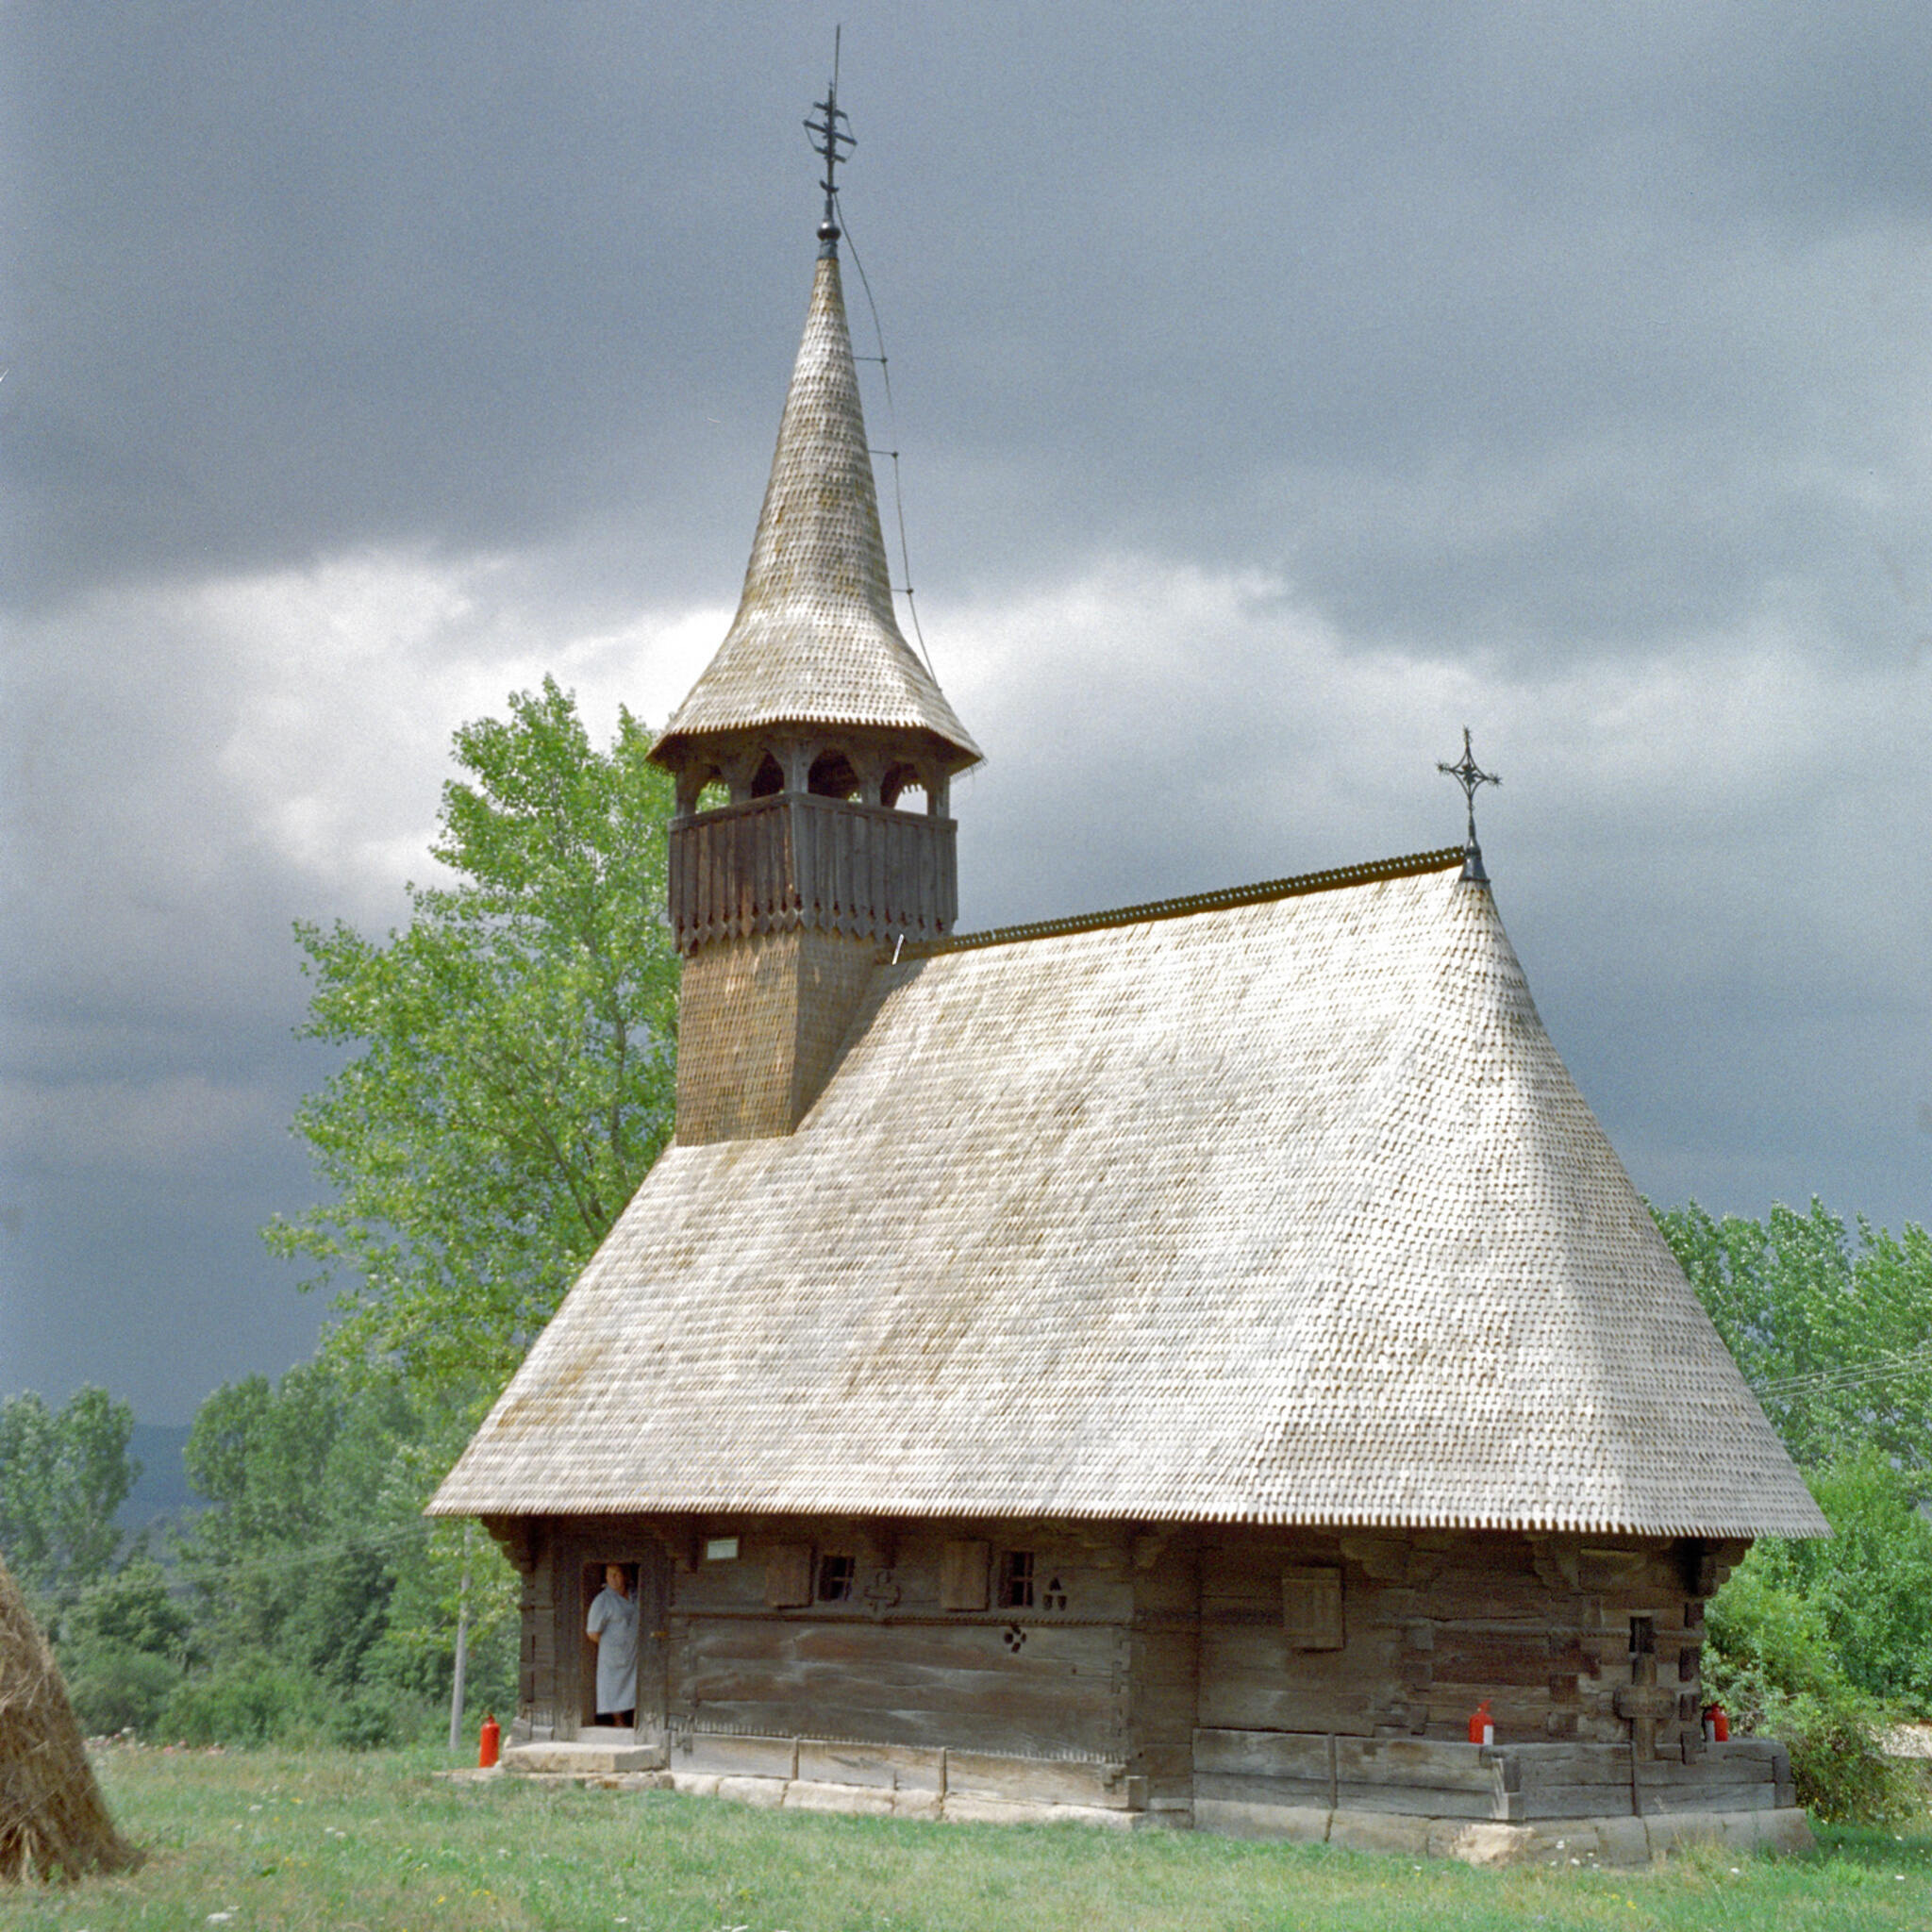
(583, 1760)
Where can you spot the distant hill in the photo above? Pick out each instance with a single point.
(162, 1489)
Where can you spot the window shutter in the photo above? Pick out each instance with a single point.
(1312, 1608)
(788, 1576)
(963, 1571)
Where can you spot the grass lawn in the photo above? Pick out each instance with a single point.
(247, 1841)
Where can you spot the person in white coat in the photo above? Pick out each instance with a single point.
(612, 1627)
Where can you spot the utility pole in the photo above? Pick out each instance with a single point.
(455, 1688)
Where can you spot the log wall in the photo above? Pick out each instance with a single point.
(892, 1664)
(1203, 1666)
(1565, 1637)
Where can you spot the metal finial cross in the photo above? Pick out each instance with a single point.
(1472, 777)
(831, 141)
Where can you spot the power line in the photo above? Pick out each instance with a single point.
(1850, 1375)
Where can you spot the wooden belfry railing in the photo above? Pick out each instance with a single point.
(797, 860)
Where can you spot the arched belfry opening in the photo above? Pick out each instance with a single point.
(814, 721)
(832, 775)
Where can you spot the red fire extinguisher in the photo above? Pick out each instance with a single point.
(1482, 1729)
(489, 1741)
(1717, 1725)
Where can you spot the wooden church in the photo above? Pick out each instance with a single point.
(1170, 1367)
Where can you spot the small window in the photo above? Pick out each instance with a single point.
(721, 1549)
(835, 1579)
(1016, 1580)
(1642, 1637)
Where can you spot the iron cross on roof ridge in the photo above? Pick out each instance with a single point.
(832, 143)
(1472, 777)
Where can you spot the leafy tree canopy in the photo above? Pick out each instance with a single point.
(292, 1463)
(315, 1571)
(1832, 1327)
(133, 1610)
(297, 1556)
(63, 1473)
(1871, 1581)
(1773, 1664)
(514, 1056)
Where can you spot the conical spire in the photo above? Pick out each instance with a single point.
(815, 641)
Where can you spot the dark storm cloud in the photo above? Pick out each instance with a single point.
(299, 278)
(470, 277)
(1277, 390)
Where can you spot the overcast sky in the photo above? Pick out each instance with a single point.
(1279, 390)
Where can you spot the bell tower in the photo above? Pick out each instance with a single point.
(794, 860)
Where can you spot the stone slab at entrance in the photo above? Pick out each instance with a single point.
(582, 1760)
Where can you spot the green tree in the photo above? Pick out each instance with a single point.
(124, 1647)
(296, 1559)
(327, 1603)
(455, 1563)
(510, 1079)
(1832, 1328)
(1870, 1583)
(63, 1473)
(1773, 1666)
(132, 1609)
(514, 1056)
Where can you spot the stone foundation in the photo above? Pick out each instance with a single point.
(1582, 1842)
(976, 1787)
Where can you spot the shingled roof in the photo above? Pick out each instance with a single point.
(815, 639)
(1282, 1209)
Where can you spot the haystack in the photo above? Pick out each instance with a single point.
(53, 1819)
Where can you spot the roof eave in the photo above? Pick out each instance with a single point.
(675, 743)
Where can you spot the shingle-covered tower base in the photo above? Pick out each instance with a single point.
(795, 864)
(761, 1022)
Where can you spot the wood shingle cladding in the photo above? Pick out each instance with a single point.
(1282, 1212)
(815, 639)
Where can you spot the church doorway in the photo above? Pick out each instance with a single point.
(623, 1598)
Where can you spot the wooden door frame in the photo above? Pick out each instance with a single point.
(654, 1639)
